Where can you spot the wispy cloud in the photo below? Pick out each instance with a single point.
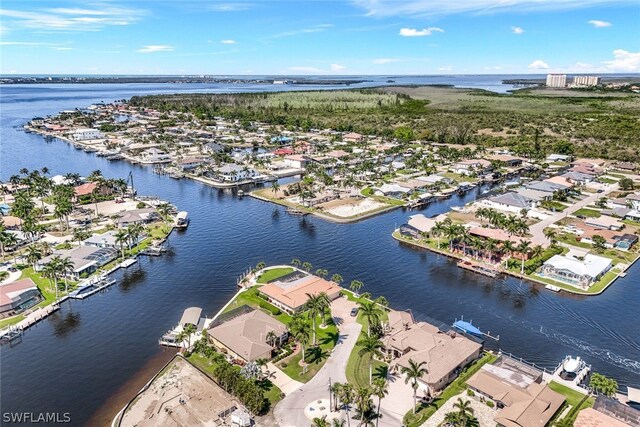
(381, 8)
(228, 41)
(445, 68)
(599, 24)
(624, 61)
(156, 48)
(230, 7)
(71, 19)
(313, 29)
(538, 64)
(381, 61)
(310, 70)
(338, 67)
(412, 32)
(517, 30)
(54, 46)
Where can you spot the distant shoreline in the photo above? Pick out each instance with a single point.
(277, 81)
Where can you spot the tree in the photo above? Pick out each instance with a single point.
(336, 278)
(307, 266)
(626, 184)
(371, 312)
(601, 202)
(602, 384)
(66, 266)
(33, 255)
(347, 396)
(275, 187)
(523, 248)
(186, 334)
(412, 373)
(364, 406)
(380, 389)
(355, 286)
(550, 234)
(598, 242)
(316, 304)
(321, 272)
(121, 237)
(465, 411)
(295, 262)
(319, 422)
(563, 147)
(301, 331)
(371, 347)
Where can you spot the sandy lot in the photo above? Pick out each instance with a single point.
(350, 207)
(181, 396)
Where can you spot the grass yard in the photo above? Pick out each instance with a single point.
(589, 213)
(251, 298)
(315, 357)
(274, 273)
(424, 411)
(358, 367)
(46, 289)
(573, 397)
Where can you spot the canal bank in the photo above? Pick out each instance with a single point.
(107, 339)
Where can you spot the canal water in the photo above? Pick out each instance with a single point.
(90, 350)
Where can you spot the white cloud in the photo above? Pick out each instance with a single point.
(624, 61)
(381, 61)
(380, 8)
(71, 19)
(599, 24)
(517, 30)
(230, 7)
(337, 67)
(412, 32)
(538, 64)
(313, 29)
(445, 68)
(156, 48)
(228, 41)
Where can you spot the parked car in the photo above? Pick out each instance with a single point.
(12, 269)
(354, 311)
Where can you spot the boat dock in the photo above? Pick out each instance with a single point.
(90, 287)
(30, 319)
(175, 337)
(126, 263)
(479, 268)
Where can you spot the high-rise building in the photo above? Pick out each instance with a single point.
(586, 81)
(556, 80)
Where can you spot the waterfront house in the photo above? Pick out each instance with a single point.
(289, 293)
(212, 148)
(396, 191)
(471, 166)
(297, 161)
(85, 259)
(231, 172)
(558, 158)
(17, 296)
(546, 186)
(509, 202)
(633, 215)
(445, 353)
(419, 224)
(578, 178)
(248, 336)
(590, 417)
(108, 240)
(84, 191)
(626, 242)
(154, 155)
(189, 163)
(85, 134)
(581, 273)
(633, 200)
(136, 216)
(506, 159)
(521, 401)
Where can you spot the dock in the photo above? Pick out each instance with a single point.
(127, 263)
(479, 268)
(90, 287)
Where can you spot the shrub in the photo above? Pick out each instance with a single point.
(470, 392)
(490, 404)
(141, 205)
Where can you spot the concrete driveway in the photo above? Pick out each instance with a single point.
(290, 411)
(536, 230)
(397, 403)
(283, 381)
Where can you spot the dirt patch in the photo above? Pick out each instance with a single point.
(350, 207)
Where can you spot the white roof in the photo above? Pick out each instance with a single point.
(591, 266)
(393, 188)
(421, 223)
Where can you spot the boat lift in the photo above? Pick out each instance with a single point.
(469, 328)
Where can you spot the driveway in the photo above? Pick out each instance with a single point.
(536, 230)
(290, 411)
(283, 381)
(397, 403)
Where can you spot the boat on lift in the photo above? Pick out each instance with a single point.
(469, 328)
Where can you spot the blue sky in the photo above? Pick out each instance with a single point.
(320, 37)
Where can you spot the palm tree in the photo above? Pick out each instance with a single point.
(33, 255)
(320, 422)
(186, 333)
(412, 373)
(316, 303)
(550, 234)
(271, 338)
(507, 248)
(464, 408)
(134, 231)
(437, 230)
(9, 240)
(355, 286)
(121, 238)
(307, 266)
(380, 389)
(275, 187)
(523, 248)
(536, 251)
(66, 266)
(336, 278)
(371, 312)
(295, 262)
(371, 347)
(346, 396)
(301, 331)
(336, 390)
(337, 423)
(321, 272)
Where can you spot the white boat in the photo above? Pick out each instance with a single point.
(553, 288)
(182, 219)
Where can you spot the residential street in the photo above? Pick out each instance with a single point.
(536, 230)
(290, 411)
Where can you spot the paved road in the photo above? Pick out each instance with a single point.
(290, 411)
(536, 230)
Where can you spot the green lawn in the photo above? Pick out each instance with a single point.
(573, 397)
(589, 213)
(315, 357)
(358, 367)
(251, 298)
(274, 273)
(423, 411)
